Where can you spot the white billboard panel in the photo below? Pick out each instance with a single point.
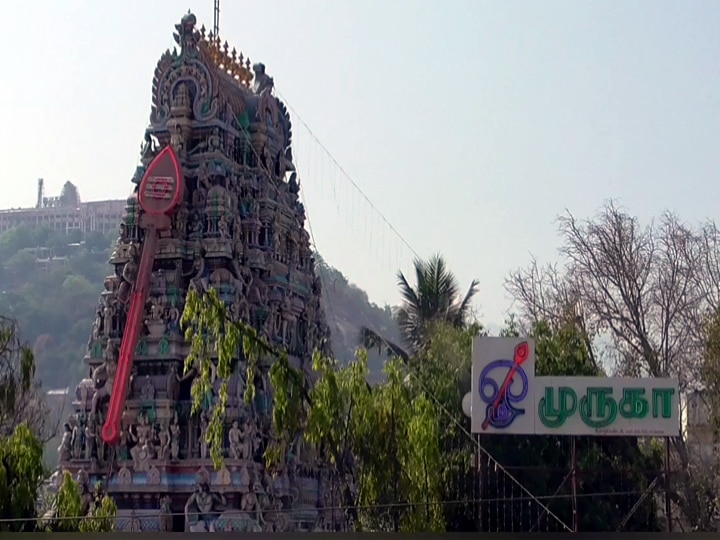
(507, 397)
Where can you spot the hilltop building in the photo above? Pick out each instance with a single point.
(66, 213)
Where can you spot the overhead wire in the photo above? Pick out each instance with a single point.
(507, 473)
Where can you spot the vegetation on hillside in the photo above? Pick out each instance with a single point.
(53, 293)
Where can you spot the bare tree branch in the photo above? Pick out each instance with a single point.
(648, 291)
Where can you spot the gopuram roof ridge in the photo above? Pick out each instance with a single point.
(224, 74)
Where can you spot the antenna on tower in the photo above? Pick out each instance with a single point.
(216, 18)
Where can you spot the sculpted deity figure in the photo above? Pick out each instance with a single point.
(77, 439)
(108, 312)
(129, 274)
(240, 310)
(174, 319)
(180, 220)
(172, 386)
(175, 438)
(164, 438)
(246, 432)
(165, 520)
(262, 80)
(224, 226)
(90, 437)
(97, 327)
(104, 377)
(148, 148)
(214, 141)
(65, 448)
(235, 440)
(143, 449)
(156, 310)
(287, 319)
(200, 279)
(204, 506)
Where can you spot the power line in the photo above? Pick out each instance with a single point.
(345, 173)
(381, 506)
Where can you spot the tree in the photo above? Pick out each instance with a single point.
(69, 515)
(646, 291)
(16, 239)
(21, 474)
(21, 401)
(20, 265)
(435, 297)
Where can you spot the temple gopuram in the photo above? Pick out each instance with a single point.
(214, 206)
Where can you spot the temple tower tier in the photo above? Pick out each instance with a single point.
(215, 205)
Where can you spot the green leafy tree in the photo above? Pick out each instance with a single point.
(21, 474)
(21, 401)
(74, 513)
(339, 417)
(442, 372)
(16, 239)
(435, 298)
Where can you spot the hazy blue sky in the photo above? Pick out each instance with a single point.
(470, 124)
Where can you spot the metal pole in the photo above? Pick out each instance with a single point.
(668, 508)
(216, 18)
(480, 477)
(573, 483)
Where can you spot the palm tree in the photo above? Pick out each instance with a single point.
(435, 298)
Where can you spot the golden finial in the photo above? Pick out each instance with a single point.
(226, 47)
(233, 55)
(210, 37)
(202, 31)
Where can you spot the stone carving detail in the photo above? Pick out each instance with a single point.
(153, 476)
(238, 229)
(124, 476)
(65, 448)
(165, 520)
(202, 506)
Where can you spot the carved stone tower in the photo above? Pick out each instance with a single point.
(215, 205)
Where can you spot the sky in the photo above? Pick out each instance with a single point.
(469, 125)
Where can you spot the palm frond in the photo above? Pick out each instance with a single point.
(371, 340)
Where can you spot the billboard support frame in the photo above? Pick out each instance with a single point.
(503, 387)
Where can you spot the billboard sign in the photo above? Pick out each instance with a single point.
(507, 397)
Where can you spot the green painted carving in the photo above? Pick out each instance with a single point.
(164, 346)
(142, 348)
(97, 350)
